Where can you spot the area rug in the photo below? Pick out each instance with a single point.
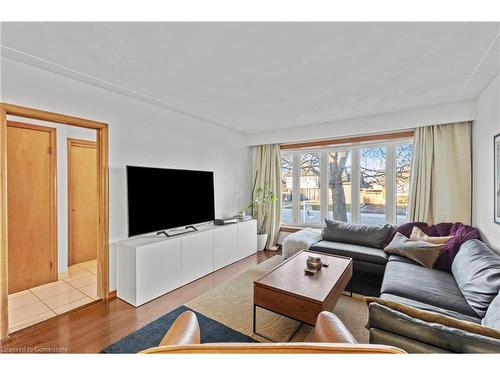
(231, 304)
(150, 335)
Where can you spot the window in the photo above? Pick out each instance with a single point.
(310, 188)
(362, 183)
(286, 188)
(404, 154)
(372, 186)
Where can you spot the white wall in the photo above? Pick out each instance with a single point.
(384, 122)
(139, 134)
(486, 126)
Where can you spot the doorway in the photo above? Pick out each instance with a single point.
(96, 269)
(50, 170)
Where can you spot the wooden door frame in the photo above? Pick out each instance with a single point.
(53, 188)
(70, 142)
(103, 204)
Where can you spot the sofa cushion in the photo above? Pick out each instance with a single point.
(399, 258)
(476, 269)
(422, 252)
(357, 234)
(356, 252)
(370, 268)
(427, 307)
(429, 286)
(492, 317)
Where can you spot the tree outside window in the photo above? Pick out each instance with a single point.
(339, 185)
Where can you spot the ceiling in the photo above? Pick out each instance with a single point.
(255, 77)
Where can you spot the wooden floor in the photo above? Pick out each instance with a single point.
(91, 329)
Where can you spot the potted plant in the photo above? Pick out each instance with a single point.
(260, 206)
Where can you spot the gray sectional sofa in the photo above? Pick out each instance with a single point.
(457, 311)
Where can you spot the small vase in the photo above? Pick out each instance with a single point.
(314, 262)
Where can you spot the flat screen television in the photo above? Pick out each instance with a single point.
(160, 199)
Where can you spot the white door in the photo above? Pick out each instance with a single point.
(225, 245)
(197, 255)
(247, 238)
(158, 269)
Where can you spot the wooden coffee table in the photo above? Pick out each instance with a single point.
(287, 291)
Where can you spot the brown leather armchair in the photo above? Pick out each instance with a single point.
(330, 333)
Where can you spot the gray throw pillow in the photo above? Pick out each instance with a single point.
(422, 252)
(492, 317)
(476, 269)
(357, 234)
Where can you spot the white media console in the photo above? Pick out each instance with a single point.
(150, 266)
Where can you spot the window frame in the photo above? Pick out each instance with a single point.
(355, 148)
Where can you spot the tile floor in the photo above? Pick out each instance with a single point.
(75, 287)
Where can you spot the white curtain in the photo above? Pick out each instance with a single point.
(267, 175)
(440, 188)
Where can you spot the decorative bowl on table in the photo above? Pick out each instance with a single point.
(314, 262)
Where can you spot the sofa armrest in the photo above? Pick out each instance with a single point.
(184, 331)
(434, 334)
(329, 328)
(274, 348)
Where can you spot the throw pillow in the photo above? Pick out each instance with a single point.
(418, 234)
(422, 252)
(356, 234)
